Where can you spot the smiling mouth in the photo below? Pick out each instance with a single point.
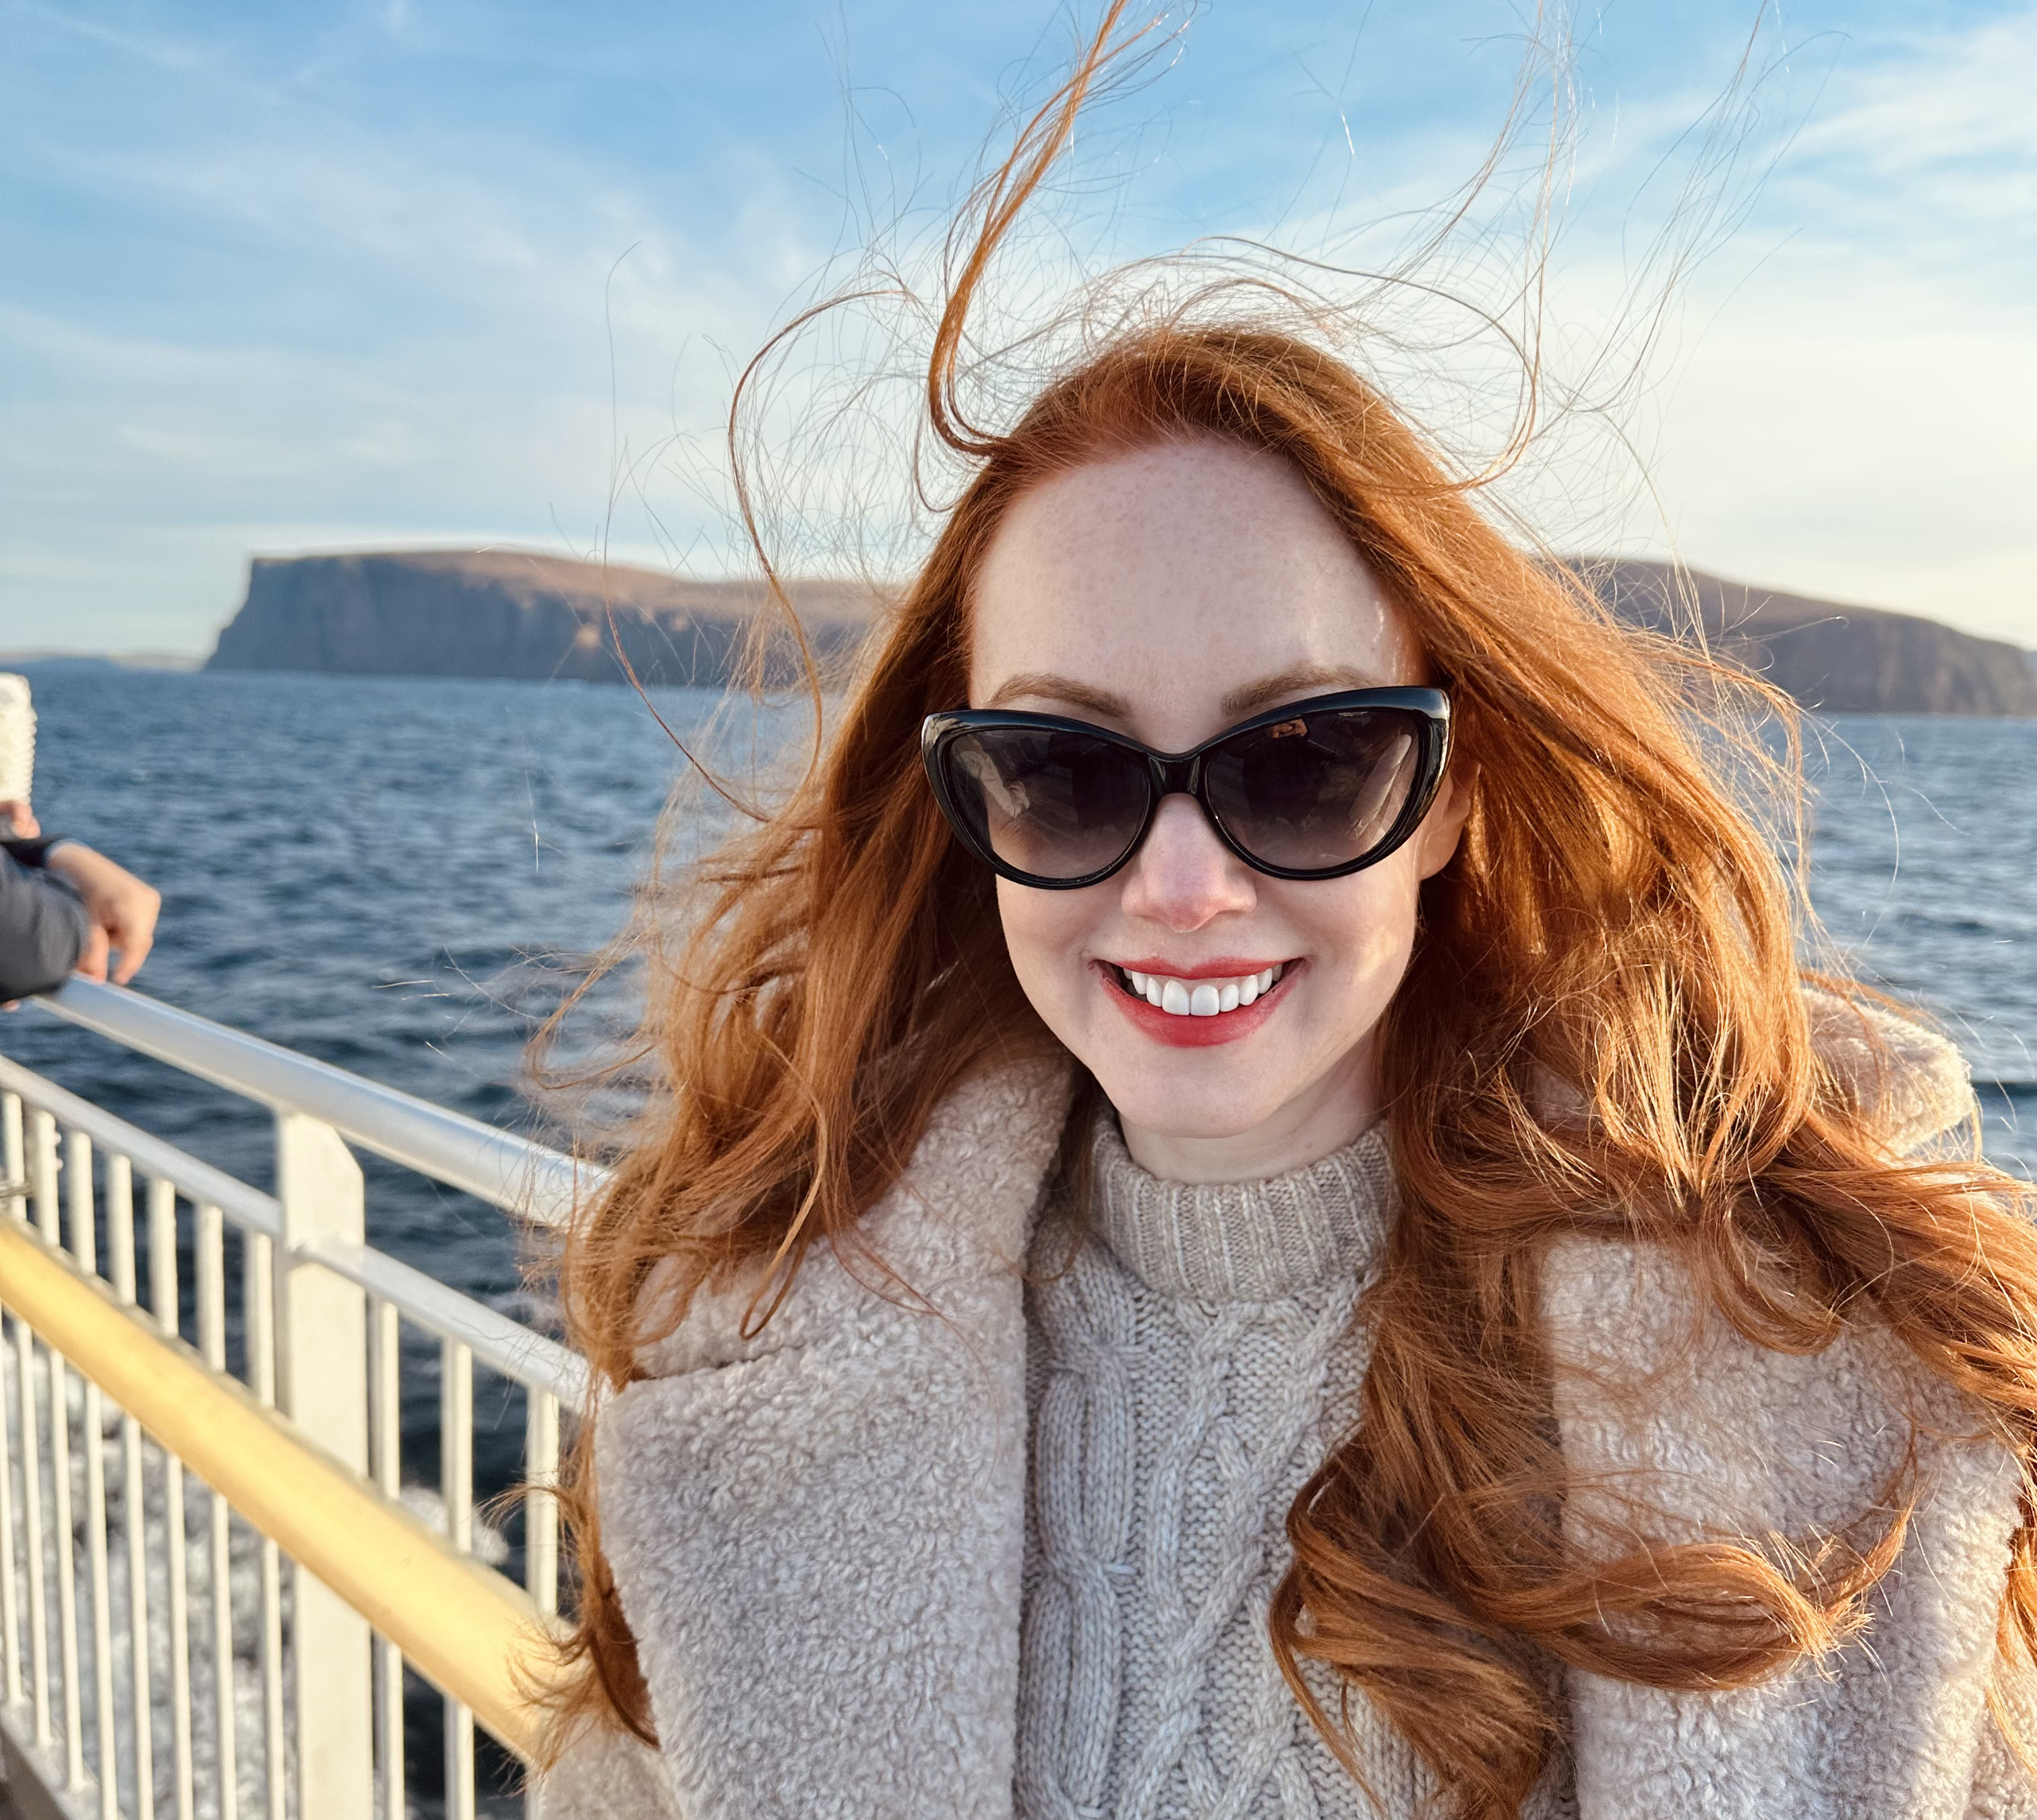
(1198, 997)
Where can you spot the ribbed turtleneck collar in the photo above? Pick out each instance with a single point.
(1245, 1241)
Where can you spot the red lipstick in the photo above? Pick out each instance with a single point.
(1189, 1033)
(1224, 967)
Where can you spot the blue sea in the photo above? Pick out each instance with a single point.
(401, 875)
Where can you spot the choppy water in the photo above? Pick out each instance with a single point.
(1924, 868)
(393, 874)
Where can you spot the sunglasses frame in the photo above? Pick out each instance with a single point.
(1181, 774)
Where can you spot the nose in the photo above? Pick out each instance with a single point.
(1183, 877)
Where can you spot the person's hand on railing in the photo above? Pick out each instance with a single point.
(121, 908)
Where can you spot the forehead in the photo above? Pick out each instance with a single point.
(1169, 576)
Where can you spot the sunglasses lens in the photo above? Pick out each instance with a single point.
(1320, 790)
(1054, 804)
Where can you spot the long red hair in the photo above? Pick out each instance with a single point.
(1612, 921)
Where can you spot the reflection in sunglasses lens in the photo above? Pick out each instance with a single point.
(1055, 804)
(1319, 800)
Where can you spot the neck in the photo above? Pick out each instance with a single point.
(1326, 1116)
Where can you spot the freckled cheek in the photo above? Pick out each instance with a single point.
(1047, 933)
(1362, 930)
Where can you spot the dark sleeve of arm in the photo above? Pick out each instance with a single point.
(35, 853)
(42, 930)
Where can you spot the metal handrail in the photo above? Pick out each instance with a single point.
(393, 1588)
(248, 1208)
(497, 1341)
(505, 1345)
(473, 1633)
(512, 1172)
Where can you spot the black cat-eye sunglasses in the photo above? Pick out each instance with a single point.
(1314, 790)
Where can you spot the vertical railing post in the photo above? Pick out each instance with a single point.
(322, 1385)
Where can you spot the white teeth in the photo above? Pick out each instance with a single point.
(1200, 998)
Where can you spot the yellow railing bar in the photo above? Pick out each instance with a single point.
(477, 1635)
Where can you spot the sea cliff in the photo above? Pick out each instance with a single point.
(1839, 659)
(506, 614)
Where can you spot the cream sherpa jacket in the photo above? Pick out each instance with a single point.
(817, 1533)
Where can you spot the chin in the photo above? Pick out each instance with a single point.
(1171, 1107)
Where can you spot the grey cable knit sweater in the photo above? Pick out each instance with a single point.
(818, 1532)
(1186, 1373)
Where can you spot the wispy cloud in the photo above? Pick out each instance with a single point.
(1858, 413)
(386, 333)
(412, 273)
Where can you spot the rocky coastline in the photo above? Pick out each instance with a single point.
(510, 614)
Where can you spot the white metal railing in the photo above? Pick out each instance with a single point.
(164, 1663)
(494, 1166)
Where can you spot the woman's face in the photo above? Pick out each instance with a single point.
(1169, 594)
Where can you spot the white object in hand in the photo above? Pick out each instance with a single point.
(17, 739)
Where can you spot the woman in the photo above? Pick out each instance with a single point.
(1254, 1217)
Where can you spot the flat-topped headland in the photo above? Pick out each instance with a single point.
(506, 614)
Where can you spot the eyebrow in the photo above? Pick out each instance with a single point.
(1046, 686)
(1317, 676)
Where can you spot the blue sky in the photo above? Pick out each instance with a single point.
(282, 278)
